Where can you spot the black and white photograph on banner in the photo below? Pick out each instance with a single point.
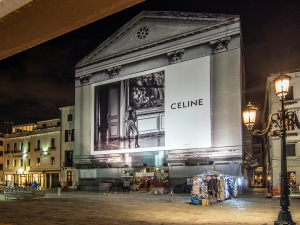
(129, 113)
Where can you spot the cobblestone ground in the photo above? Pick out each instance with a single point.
(79, 207)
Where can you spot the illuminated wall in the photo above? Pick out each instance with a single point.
(191, 112)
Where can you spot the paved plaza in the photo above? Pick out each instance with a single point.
(83, 207)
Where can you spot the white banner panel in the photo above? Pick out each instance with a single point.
(187, 104)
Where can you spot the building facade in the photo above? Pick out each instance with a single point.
(272, 105)
(68, 172)
(1, 157)
(32, 153)
(162, 97)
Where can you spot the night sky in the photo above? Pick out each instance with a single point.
(36, 82)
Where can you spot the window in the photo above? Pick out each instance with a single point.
(38, 145)
(1, 143)
(21, 146)
(15, 146)
(290, 150)
(7, 163)
(1, 166)
(1, 153)
(15, 162)
(256, 150)
(38, 161)
(69, 158)
(28, 148)
(7, 147)
(44, 125)
(52, 161)
(52, 143)
(69, 135)
(290, 95)
(21, 162)
(28, 162)
(70, 117)
(69, 178)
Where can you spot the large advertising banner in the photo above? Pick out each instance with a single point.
(161, 109)
(187, 109)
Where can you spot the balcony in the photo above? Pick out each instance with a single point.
(7, 152)
(17, 153)
(51, 148)
(37, 149)
(68, 164)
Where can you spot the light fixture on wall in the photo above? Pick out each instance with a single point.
(276, 128)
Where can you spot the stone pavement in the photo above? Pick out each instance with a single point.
(85, 207)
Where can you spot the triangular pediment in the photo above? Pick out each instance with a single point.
(149, 28)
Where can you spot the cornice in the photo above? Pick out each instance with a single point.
(32, 135)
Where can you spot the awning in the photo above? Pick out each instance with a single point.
(9, 172)
(52, 171)
(36, 171)
(226, 169)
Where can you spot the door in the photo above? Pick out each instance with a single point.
(113, 113)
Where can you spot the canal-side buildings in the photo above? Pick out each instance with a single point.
(162, 97)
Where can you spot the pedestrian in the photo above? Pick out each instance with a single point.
(148, 184)
(59, 188)
(35, 185)
(113, 186)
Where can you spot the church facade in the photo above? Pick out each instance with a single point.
(163, 94)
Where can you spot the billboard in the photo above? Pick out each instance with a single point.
(160, 109)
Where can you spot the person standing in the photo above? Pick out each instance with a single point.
(35, 185)
(59, 188)
(130, 119)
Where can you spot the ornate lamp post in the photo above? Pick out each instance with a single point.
(276, 128)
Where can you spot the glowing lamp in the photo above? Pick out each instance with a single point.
(282, 84)
(249, 115)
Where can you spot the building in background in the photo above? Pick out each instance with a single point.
(182, 74)
(272, 105)
(68, 172)
(259, 175)
(32, 153)
(1, 157)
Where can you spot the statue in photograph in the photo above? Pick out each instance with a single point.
(130, 119)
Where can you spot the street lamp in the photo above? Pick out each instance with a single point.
(276, 128)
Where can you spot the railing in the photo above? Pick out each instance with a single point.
(37, 149)
(6, 152)
(16, 151)
(52, 148)
(68, 164)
